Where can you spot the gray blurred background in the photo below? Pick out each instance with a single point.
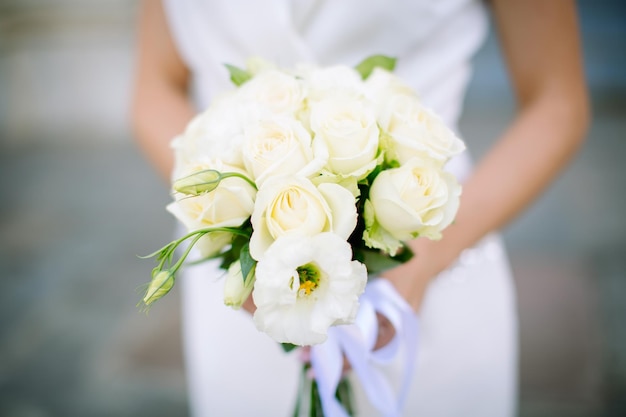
(78, 202)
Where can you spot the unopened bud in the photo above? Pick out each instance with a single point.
(160, 285)
(199, 182)
(236, 289)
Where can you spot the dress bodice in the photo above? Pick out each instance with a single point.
(434, 41)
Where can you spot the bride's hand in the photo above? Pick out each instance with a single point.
(411, 279)
(249, 306)
(386, 332)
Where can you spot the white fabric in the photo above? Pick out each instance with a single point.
(466, 359)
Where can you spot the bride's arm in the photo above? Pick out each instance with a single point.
(161, 108)
(541, 47)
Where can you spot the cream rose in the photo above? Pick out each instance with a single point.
(229, 205)
(322, 83)
(381, 86)
(347, 134)
(216, 133)
(279, 146)
(416, 199)
(287, 206)
(413, 130)
(273, 92)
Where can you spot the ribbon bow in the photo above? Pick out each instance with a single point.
(357, 341)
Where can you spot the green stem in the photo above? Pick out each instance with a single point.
(168, 249)
(309, 402)
(316, 401)
(182, 258)
(238, 175)
(166, 253)
(233, 230)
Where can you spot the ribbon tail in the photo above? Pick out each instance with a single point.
(327, 363)
(385, 299)
(373, 382)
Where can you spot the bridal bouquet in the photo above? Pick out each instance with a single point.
(301, 182)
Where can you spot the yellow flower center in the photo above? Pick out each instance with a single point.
(309, 276)
(306, 287)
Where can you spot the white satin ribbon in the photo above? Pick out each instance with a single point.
(357, 341)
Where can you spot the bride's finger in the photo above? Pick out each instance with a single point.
(386, 331)
(304, 354)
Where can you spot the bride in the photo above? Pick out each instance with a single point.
(460, 287)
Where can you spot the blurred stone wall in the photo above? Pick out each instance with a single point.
(65, 69)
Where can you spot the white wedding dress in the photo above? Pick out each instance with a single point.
(467, 353)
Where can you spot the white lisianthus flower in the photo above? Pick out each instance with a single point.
(295, 206)
(304, 285)
(279, 146)
(229, 205)
(274, 91)
(413, 130)
(416, 199)
(346, 133)
(236, 289)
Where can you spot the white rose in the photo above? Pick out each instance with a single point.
(382, 85)
(274, 92)
(347, 134)
(229, 205)
(294, 206)
(416, 199)
(326, 82)
(256, 65)
(304, 285)
(414, 130)
(279, 146)
(216, 133)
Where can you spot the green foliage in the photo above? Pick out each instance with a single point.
(288, 347)
(238, 75)
(164, 274)
(366, 67)
(239, 241)
(377, 261)
(247, 262)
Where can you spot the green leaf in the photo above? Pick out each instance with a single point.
(366, 66)
(375, 236)
(233, 253)
(377, 261)
(238, 75)
(247, 262)
(288, 347)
